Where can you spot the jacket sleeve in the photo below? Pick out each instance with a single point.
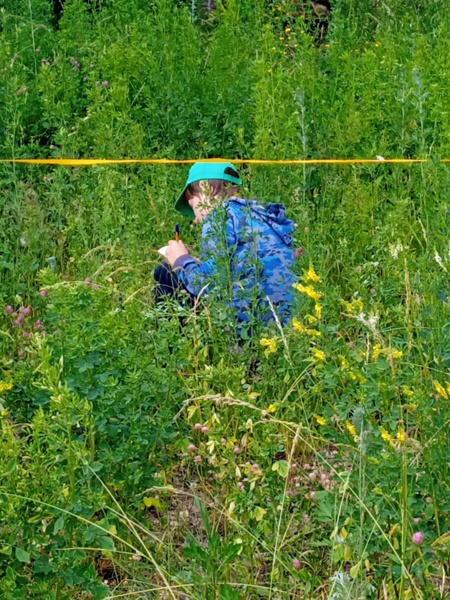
(215, 256)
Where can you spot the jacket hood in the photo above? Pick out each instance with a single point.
(274, 215)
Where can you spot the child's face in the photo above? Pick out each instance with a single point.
(203, 203)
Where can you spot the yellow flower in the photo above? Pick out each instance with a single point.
(5, 385)
(298, 326)
(386, 436)
(344, 362)
(318, 310)
(272, 408)
(320, 420)
(311, 275)
(407, 391)
(377, 44)
(313, 333)
(269, 70)
(440, 389)
(401, 435)
(311, 319)
(308, 290)
(319, 354)
(396, 353)
(351, 429)
(353, 307)
(376, 352)
(270, 346)
(288, 29)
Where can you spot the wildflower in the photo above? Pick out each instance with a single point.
(396, 353)
(344, 362)
(308, 290)
(407, 391)
(191, 448)
(298, 326)
(350, 428)
(92, 65)
(386, 436)
(236, 450)
(417, 538)
(198, 459)
(296, 564)
(395, 250)
(241, 486)
(205, 429)
(17, 323)
(320, 420)
(44, 293)
(288, 30)
(95, 287)
(272, 408)
(8, 309)
(270, 346)
(376, 352)
(401, 435)
(440, 389)
(38, 324)
(319, 354)
(105, 83)
(311, 319)
(21, 352)
(87, 281)
(6, 385)
(26, 310)
(198, 426)
(318, 310)
(311, 275)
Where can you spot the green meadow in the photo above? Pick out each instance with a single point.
(142, 459)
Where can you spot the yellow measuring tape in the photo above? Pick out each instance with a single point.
(89, 162)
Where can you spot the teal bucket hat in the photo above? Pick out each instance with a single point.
(206, 170)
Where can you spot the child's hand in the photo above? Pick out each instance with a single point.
(175, 250)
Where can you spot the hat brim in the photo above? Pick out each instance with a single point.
(182, 205)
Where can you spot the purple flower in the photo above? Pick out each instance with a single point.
(24, 333)
(17, 323)
(191, 448)
(38, 324)
(418, 538)
(296, 564)
(26, 310)
(205, 429)
(8, 309)
(241, 486)
(87, 281)
(21, 352)
(44, 293)
(105, 84)
(95, 287)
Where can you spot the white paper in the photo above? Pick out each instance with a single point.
(163, 251)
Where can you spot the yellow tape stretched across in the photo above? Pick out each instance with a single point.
(88, 162)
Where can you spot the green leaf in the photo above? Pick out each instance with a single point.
(11, 466)
(282, 467)
(226, 592)
(429, 511)
(149, 502)
(355, 570)
(22, 555)
(106, 543)
(59, 524)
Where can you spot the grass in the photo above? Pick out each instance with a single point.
(325, 450)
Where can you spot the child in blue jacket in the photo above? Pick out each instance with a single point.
(246, 253)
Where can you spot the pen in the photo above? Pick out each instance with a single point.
(177, 232)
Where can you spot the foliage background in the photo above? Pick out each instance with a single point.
(97, 395)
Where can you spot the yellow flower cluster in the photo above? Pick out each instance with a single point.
(320, 420)
(270, 345)
(378, 350)
(318, 354)
(308, 290)
(386, 436)
(5, 386)
(301, 329)
(311, 275)
(354, 307)
(440, 389)
(352, 431)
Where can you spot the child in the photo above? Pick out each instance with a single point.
(246, 253)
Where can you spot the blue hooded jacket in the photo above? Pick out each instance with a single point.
(246, 257)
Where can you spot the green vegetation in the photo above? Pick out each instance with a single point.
(321, 459)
